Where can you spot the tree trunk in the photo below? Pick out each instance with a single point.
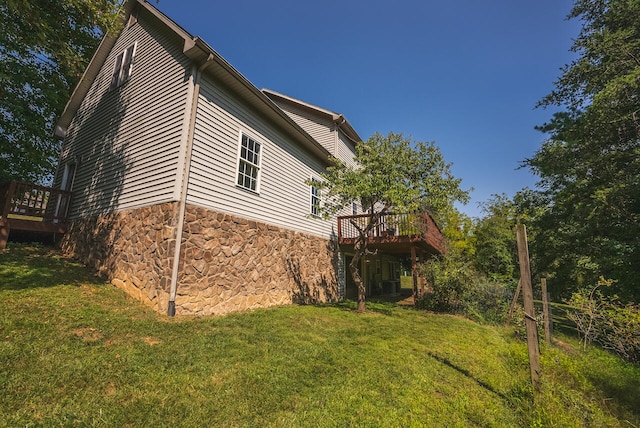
(355, 274)
(360, 249)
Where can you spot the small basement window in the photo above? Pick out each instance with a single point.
(123, 66)
(249, 164)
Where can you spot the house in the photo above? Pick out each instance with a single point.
(189, 182)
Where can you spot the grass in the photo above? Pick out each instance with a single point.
(77, 351)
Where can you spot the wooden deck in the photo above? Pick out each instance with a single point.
(31, 207)
(396, 234)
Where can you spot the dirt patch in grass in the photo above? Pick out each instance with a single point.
(88, 334)
(564, 346)
(151, 341)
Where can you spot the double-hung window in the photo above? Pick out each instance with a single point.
(315, 198)
(123, 66)
(249, 164)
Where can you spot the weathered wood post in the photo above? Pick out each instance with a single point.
(546, 311)
(414, 274)
(4, 234)
(529, 312)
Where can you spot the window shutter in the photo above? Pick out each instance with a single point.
(116, 72)
(129, 56)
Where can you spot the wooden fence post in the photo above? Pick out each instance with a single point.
(546, 311)
(550, 314)
(529, 312)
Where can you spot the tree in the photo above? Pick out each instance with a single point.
(589, 167)
(45, 46)
(458, 230)
(391, 173)
(496, 250)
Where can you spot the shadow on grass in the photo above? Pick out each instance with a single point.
(466, 373)
(24, 266)
(624, 390)
(380, 307)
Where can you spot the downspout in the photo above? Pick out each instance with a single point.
(171, 310)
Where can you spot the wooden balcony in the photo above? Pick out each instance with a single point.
(396, 233)
(31, 207)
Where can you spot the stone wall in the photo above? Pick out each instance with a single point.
(133, 249)
(228, 264)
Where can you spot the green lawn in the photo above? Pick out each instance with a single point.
(77, 351)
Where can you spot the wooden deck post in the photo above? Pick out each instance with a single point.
(414, 274)
(4, 236)
(421, 277)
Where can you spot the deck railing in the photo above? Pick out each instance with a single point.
(389, 225)
(31, 202)
(393, 229)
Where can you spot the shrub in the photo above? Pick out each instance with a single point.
(456, 287)
(450, 280)
(605, 320)
(489, 301)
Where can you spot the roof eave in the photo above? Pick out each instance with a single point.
(339, 119)
(90, 74)
(198, 51)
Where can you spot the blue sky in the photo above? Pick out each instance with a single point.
(466, 74)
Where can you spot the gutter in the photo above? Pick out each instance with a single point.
(171, 310)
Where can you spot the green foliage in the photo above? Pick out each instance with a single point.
(44, 48)
(457, 288)
(392, 172)
(496, 253)
(458, 230)
(589, 167)
(450, 279)
(603, 319)
(489, 301)
(496, 250)
(456, 283)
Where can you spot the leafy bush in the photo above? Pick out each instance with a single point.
(456, 287)
(489, 301)
(605, 320)
(450, 280)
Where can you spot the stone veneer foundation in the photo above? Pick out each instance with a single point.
(134, 249)
(227, 263)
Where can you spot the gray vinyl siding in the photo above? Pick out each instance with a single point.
(345, 150)
(284, 198)
(321, 129)
(127, 140)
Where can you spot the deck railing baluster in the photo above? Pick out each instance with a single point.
(33, 202)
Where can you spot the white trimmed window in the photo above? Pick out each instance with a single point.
(249, 164)
(315, 198)
(123, 66)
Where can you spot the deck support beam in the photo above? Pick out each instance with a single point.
(414, 274)
(4, 235)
